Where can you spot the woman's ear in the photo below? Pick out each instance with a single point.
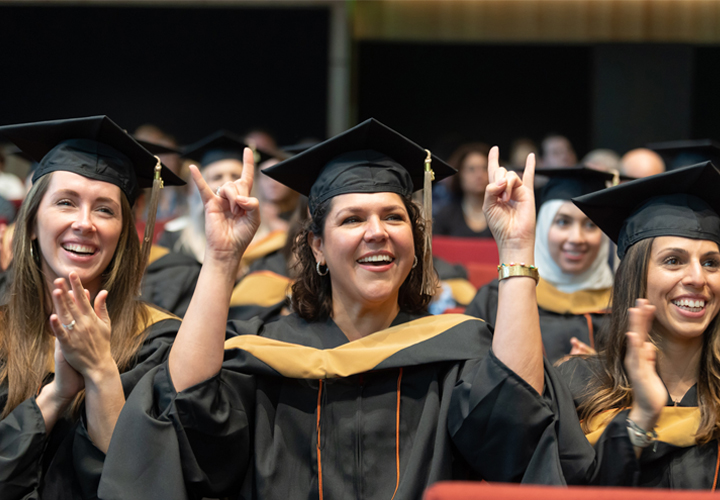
(315, 243)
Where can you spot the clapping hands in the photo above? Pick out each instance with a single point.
(649, 393)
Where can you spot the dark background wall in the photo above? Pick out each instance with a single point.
(617, 96)
(188, 70)
(194, 70)
(642, 93)
(443, 95)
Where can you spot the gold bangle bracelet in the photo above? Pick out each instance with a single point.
(511, 270)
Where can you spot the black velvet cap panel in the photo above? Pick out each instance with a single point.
(94, 147)
(368, 158)
(681, 202)
(678, 154)
(569, 183)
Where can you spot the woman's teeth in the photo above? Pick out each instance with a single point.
(375, 258)
(690, 305)
(75, 248)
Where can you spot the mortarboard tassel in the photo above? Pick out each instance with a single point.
(152, 214)
(429, 282)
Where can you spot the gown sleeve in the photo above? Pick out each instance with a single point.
(484, 305)
(22, 443)
(166, 444)
(611, 461)
(88, 460)
(502, 427)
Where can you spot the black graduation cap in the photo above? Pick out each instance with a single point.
(571, 182)
(678, 154)
(298, 148)
(368, 158)
(222, 145)
(682, 202)
(94, 147)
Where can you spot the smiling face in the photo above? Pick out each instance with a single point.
(683, 284)
(573, 240)
(77, 227)
(367, 245)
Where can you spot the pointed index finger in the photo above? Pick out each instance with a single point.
(493, 163)
(248, 171)
(529, 173)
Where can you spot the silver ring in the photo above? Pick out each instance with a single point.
(70, 326)
(217, 191)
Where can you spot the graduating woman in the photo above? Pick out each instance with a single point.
(359, 393)
(650, 401)
(574, 292)
(74, 339)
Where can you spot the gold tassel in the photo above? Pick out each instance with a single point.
(429, 281)
(152, 214)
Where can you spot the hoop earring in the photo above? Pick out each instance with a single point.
(415, 262)
(35, 258)
(317, 268)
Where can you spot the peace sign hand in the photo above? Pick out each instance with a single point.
(231, 216)
(510, 207)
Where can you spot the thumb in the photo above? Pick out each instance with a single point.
(101, 306)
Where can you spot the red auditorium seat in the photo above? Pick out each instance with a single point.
(478, 255)
(457, 490)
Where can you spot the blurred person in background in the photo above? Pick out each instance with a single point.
(11, 186)
(277, 201)
(463, 216)
(641, 162)
(557, 151)
(606, 160)
(519, 151)
(172, 202)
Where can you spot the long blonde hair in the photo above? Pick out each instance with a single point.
(26, 345)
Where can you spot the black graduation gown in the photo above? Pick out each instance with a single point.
(297, 411)
(168, 239)
(677, 462)
(274, 262)
(262, 295)
(559, 319)
(66, 464)
(450, 221)
(169, 281)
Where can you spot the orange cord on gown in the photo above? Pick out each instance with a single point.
(319, 461)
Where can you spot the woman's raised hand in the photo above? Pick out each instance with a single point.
(649, 393)
(231, 216)
(83, 330)
(510, 206)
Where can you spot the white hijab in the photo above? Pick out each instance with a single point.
(597, 277)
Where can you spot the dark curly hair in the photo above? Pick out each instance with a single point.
(312, 293)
